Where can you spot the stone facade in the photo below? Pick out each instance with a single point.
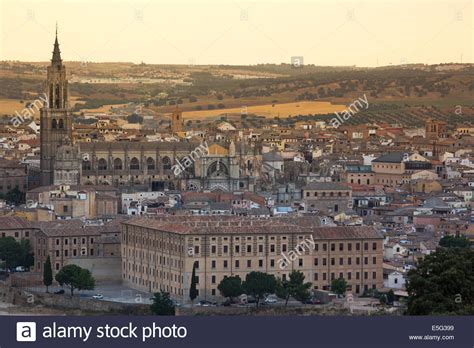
(160, 253)
(226, 167)
(328, 198)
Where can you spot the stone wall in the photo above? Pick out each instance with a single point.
(103, 269)
(31, 299)
(330, 309)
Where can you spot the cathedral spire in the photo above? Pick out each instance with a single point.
(56, 52)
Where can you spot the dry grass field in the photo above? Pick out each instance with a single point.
(9, 106)
(270, 110)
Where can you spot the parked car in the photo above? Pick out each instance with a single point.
(204, 303)
(176, 303)
(98, 297)
(20, 269)
(226, 303)
(313, 301)
(270, 300)
(59, 292)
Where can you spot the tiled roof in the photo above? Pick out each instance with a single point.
(14, 222)
(394, 157)
(326, 186)
(237, 225)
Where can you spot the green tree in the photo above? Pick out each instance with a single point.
(390, 296)
(259, 284)
(230, 287)
(135, 118)
(442, 283)
(75, 277)
(294, 287)
(339, 286)
(192, 289)
(15, 196)
(454, 242)
(26, 256)
(282, 290)
(162, 304)
(47, 274)
(10, 251)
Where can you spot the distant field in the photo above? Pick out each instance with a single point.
(9, 106)
(270, 111)
(103, 108)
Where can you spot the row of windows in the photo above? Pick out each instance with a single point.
(163, 275)
(324, 262)
(324, 246)
(55, 124)
(17, 234)
(10, 185)
(102, 164)
(331, 194)
(341, 261)
(74, 252)
(163, 261)
(74, 241)
(324, 276)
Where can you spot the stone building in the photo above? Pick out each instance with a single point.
(151, 164)
(12, 174)
(55, 117)
(223, 166)
(67, 240)
(160, 253)
(327, 197)
(177, 121)
(16, 227)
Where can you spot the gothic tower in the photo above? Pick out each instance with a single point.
(55, 116)
(177, 120)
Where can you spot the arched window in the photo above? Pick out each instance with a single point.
(118, 164)
(51, 92)
(54, 124)
(86, 165)
(61, 123)
(134, 164)
(150, 162)
(102, 165)
(166, 163)
(58, 100)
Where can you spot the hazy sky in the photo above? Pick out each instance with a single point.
(323, 32)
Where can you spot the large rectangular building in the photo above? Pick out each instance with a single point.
(159, 253)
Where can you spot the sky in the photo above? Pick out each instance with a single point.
(322, 32)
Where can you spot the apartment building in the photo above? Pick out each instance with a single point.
(76, 201)
(16, 227)
(12, 174)
(159, 253)
(72, 239)
(358, 174)
(389, 169)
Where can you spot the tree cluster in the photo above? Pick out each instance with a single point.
(15, 253)
(442, 283)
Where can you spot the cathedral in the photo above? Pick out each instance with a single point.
(230, 167)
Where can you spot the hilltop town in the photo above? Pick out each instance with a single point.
(174, 188)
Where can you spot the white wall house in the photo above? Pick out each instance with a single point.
(396, 280)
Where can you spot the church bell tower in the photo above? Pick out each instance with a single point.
(55, 116)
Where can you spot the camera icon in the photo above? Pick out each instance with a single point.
(26, 331)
